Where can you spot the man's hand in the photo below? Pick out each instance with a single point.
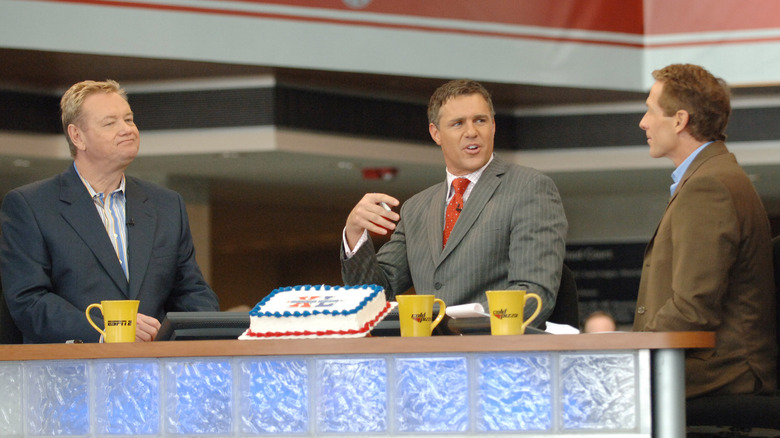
(146, 328)
(370, 215)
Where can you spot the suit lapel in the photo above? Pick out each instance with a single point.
(140, 235)
(715, 149)
(434, 222)
(78, 209)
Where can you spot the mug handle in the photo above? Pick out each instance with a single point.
(89, 318)
(536, 312)
(440, 316)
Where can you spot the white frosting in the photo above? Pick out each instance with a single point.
(331, 311)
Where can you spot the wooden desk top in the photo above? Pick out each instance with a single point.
(383, 345)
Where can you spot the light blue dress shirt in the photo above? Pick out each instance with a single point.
(680, 171)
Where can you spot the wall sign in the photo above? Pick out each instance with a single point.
(607, 277)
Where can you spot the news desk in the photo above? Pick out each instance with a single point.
(616, 384)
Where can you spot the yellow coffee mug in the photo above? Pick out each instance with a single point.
(415, 313)
(506, 311)
(119, 318)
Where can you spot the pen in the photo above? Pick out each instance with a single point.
(385, 206)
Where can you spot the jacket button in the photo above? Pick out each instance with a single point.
(640, 310)
(437, 285)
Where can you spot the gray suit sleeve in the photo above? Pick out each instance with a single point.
(538, 244)
(389, 269)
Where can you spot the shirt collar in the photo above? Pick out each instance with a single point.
(683, 167)
(473, 176)
(92, 191)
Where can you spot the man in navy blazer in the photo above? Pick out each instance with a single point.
(91, 233)
(510, 233)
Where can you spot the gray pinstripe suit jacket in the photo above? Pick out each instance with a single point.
(510, 235)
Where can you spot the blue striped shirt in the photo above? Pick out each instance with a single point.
(111, 209)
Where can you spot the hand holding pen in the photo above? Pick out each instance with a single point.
(373, 213)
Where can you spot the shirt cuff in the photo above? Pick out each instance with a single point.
(347, 252)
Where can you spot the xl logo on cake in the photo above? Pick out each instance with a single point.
(502, 313)
(420, 317)
(315, 301)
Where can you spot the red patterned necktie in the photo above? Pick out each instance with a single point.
(454, 207)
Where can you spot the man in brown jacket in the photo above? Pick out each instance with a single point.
(709, 265)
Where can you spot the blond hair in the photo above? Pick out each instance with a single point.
(74, 98)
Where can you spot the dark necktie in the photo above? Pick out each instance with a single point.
(454, 207)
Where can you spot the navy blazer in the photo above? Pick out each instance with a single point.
(56, 257)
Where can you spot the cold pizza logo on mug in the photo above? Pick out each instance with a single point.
(119, 323)
(421, 317)
(502, 313)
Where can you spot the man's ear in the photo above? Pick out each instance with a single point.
(75, 136)
(681, 118)
(435, 134)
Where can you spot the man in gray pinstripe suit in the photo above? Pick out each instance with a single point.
(510, 234)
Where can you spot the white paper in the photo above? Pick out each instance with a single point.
(473, 310)
(476, 310)
(561, 329)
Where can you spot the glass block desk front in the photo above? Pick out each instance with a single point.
(567, 385)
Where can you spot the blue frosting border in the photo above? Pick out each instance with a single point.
(305, 288)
